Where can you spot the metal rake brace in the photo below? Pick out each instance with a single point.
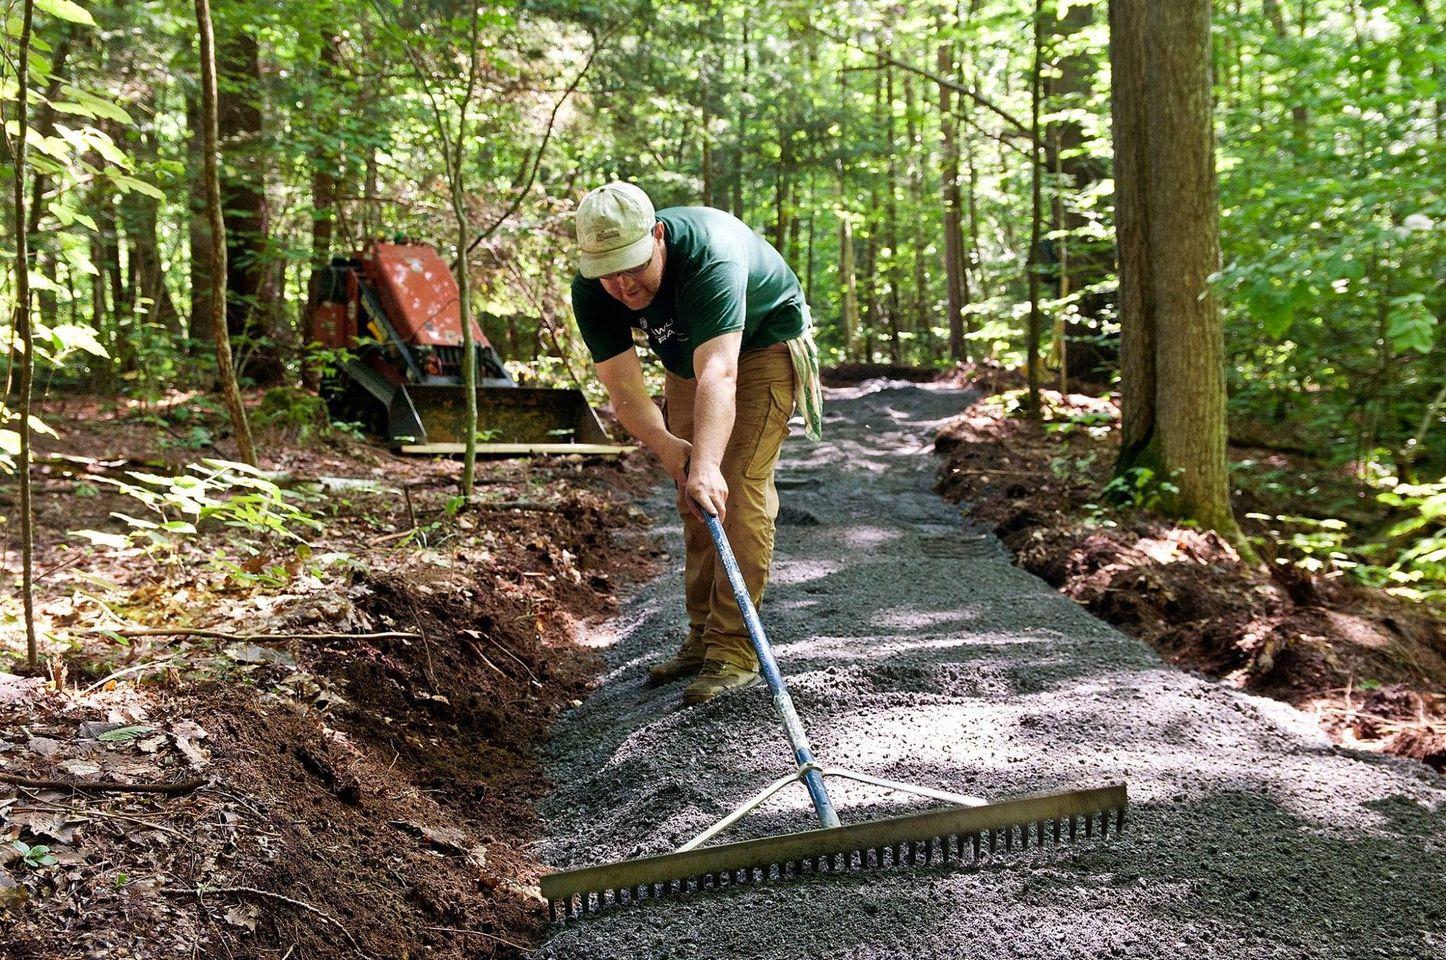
(972, 829)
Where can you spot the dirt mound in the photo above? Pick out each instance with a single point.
(361, 780)
(1323, 644)
(850, 374)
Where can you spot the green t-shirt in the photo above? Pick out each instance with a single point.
(719, 276)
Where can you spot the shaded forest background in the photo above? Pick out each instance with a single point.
(938, 175)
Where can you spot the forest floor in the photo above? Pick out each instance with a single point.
(354, 764)
(1368, 665)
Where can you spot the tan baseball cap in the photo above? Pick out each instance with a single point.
(614, 229)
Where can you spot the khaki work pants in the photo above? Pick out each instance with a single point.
(764, 404)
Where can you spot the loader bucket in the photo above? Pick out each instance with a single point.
(510, 420)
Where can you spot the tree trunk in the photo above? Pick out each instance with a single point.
(252, 302)
(1162, 90)
(848, 280)
(141, 216)
(25, 330)
(210, 146)
(109, 264)
(45, 248)
(742, 139)
(891, 219)
(921, 309)
(324, 182)
(955, 276)
(199, 225)
(1130, 127)
(1299, 115)
(1036, 320)
(1080, 262)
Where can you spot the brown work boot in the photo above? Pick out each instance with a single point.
(716, 677)
(686, 662)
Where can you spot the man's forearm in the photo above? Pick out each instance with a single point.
(641, 417)
(713, 418)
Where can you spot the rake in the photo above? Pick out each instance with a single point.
(970, 830)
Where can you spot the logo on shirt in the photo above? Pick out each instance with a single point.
(662, 332)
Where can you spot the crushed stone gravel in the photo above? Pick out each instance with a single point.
(916, 651)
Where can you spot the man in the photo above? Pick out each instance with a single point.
(727, 318)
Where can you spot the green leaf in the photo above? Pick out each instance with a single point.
(99, 106)
(76, 109)
(66, 10)
(1410, 325)
(100, 538)
(74, 336)
(130, 184)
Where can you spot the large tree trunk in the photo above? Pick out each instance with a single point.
(1132, 232)
(210, 147)
(253, 301)
(1162, 90)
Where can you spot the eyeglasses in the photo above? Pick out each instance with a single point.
(635, 274)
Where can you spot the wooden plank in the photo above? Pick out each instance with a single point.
(521, 449)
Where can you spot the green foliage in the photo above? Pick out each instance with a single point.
(34, 856)
(1332, 249)
(1139, 488)
(293, 412)
(221, 492)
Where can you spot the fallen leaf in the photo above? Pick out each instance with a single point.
(44, 746)
(189, 729)
(123, 734)
(151, 744)
(79, 768)
(197, 756)
(243, 915)
(13, 688)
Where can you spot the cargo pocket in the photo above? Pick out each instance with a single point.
(771, 433)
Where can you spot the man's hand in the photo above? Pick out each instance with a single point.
(674, 454)
(706, 490)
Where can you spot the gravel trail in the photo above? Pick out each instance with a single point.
(916, 651)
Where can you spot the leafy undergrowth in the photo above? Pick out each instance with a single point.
(1371, 665)
(354, 756)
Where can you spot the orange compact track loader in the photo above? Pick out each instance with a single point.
(395, 312)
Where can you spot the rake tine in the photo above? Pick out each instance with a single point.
(1119, 820)
(1104, 824)
(1089, 825)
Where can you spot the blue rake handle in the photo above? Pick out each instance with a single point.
(808, 771)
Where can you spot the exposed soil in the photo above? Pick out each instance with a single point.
(849, 374)
(1370, 665)
(369, 793)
